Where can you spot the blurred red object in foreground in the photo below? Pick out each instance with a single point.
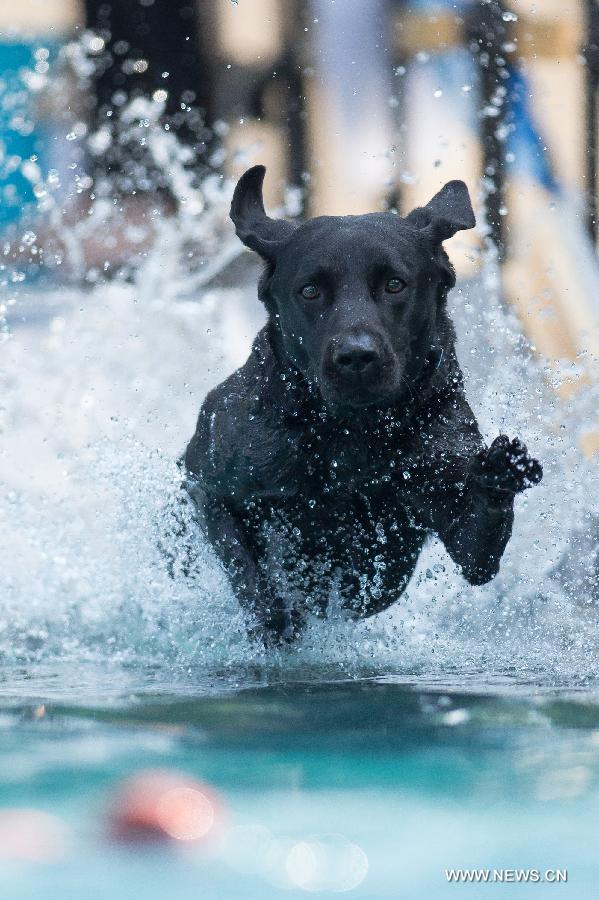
(159, 805)
(31, 835)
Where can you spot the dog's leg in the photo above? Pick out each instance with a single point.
(366, 551)
(275, 620)
(476, 529)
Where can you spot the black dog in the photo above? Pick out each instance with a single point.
(321, 466)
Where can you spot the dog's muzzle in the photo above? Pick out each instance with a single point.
(356, 366)
(356, 356)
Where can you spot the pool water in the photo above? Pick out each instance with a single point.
(393, 781)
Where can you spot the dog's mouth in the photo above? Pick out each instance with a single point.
(359, 393)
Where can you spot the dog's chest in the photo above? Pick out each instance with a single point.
(330, 460)
(312, 455)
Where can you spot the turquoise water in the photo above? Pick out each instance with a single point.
(411, 777)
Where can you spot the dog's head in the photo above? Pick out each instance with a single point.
(358, 301)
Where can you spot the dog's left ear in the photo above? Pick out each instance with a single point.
(257, 230)
(449, 211)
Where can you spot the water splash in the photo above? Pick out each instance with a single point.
(100, 387)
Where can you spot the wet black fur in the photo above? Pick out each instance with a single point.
(313, 480)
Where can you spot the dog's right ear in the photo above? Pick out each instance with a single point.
(257, 231)
(448, 212)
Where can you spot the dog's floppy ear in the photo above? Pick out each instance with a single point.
(449, 211)
(257, 231)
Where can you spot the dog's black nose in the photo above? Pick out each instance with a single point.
(355, 354)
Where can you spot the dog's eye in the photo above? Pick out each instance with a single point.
(395, 286)
(310, 292)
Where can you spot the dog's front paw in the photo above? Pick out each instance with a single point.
(506, 466)
(277, 624)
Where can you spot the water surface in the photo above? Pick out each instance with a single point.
(403, 779)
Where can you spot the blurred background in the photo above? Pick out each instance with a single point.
(353, 106)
